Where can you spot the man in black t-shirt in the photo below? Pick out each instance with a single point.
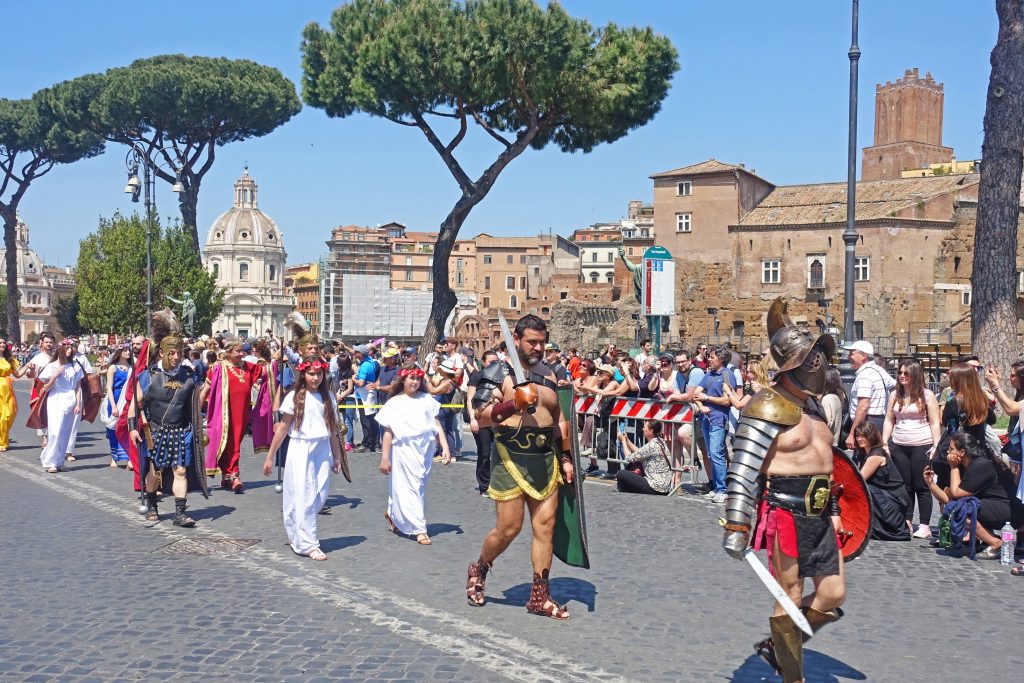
(484, 436)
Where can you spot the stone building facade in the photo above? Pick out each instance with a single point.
(34, 286)
(245, 253)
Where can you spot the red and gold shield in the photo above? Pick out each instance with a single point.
(854, 505)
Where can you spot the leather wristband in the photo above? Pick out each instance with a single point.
(503, 411)
(742, 528)
(566, 457)
(133, 424)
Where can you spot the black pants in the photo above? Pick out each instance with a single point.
(910, 461)
(369, 426)
(634, 483)
(484, 439)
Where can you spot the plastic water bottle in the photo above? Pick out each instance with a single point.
(1009, 537)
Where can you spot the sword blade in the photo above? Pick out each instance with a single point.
(776, 590)
(513, 352)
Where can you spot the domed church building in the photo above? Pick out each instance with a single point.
(245, 253)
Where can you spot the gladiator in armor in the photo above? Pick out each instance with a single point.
(779, 489)
(166, 423)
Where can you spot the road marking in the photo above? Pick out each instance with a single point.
(503, 654)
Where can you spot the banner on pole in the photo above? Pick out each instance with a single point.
(658, 297)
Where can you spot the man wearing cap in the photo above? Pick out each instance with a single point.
(366, 385)
(553, 357)
(442, 386)
(869, 394)
(387, 380)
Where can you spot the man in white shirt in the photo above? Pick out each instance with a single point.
(870, 392)
(645, 354)
(35, 366)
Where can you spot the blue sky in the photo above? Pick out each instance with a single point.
(761, 83)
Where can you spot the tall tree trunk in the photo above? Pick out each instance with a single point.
(188, 201)
(10, 216)
(993, 281)
(444, 299)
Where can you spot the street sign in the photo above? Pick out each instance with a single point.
(659, 283)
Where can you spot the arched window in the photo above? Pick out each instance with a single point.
(216, 270)
(273, 273)
(243, 271)
(513, 301)
(593, 277)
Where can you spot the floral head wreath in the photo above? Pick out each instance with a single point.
(411, 372)
(312, 365)
(69, 341)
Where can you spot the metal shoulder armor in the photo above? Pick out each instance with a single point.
(761, 421)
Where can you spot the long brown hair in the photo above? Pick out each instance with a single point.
(325, 394)
(915, 391)
(963, 379)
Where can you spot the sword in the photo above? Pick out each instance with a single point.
(513, 355)
(776, 590)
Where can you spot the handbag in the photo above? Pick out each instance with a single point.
(92, 395)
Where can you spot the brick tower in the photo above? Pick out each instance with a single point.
(908, 128)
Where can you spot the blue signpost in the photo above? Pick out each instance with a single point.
(658, 296)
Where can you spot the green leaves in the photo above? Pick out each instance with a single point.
(111, 274)
(508, 62)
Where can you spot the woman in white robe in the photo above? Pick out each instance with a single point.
(409, 419)
(309, 418)
(61, 379)
(81, 359)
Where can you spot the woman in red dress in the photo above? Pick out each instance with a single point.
(228, 387)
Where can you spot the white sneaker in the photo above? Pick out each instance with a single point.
(719, 499)
(923, 531)
(710, 495)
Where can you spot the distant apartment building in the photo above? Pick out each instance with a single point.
(353, 250)
(412, 260)
(303, 282)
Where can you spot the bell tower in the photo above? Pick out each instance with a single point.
(908, 127)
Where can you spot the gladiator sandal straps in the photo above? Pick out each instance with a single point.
(540, 599)
(475, 579)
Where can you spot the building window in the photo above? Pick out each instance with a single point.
(458, 264)
(965, 297)
(630, 251)
(487, 282)
(536, 270)
(272, 275)
(593, 257)
(1020, 281)
(522, 260)
(408, 275)
(611, 257)
(684, 188)
(683, 222)
(508, 259)
(510, 282)
(610, 277)
(430, 276)
(513, 301)
(737, 328)
(862, 269)
(563, 295)
(487, 258)
(216, 270)
(243, 271)
(522, 283)
(771, 272)
(430, 261)
(593, 277)
(408, 260)
(458, 278)
(487, 302)
(815, 271)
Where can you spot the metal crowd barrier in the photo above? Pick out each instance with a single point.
(632, 412)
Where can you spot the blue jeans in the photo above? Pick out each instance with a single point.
(714, 437)
(349, 416)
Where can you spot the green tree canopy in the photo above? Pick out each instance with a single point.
(178, 110)
(32, 141)
(526, 75)
(65, 310)
(112, 282)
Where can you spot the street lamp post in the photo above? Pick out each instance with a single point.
(850, 234)
(133, 160)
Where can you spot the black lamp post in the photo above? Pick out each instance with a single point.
(850, 234)
(134, 159)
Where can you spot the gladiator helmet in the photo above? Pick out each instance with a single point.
(802, 355)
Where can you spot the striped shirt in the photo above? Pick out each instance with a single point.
(869, 383)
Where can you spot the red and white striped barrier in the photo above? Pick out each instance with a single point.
(637, 409)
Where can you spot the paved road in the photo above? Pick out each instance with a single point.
(92, 592)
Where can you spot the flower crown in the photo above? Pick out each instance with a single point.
(411, 372)
(312, 365)
(69, 341)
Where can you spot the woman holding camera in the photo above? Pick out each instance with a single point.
(647, 467)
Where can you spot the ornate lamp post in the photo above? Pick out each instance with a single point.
(133, 160)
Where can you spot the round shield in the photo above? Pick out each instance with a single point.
(854, 505)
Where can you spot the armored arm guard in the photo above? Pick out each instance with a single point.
(491, 379)
(767, 414)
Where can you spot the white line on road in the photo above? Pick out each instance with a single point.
(480, 645)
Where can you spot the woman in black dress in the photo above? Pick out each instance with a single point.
(889, 496)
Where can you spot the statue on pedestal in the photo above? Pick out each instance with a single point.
(188, 312)
(638, 273)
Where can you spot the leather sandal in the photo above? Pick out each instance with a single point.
(540, 599)
(475, 579)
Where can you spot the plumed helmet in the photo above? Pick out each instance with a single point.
(799, 353)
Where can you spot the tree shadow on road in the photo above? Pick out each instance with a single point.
(340, 542)
(564, 589)
(818, 668)
(209, 512)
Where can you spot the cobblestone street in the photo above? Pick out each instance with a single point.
(94, 593)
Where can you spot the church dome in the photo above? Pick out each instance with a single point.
(244, 225)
